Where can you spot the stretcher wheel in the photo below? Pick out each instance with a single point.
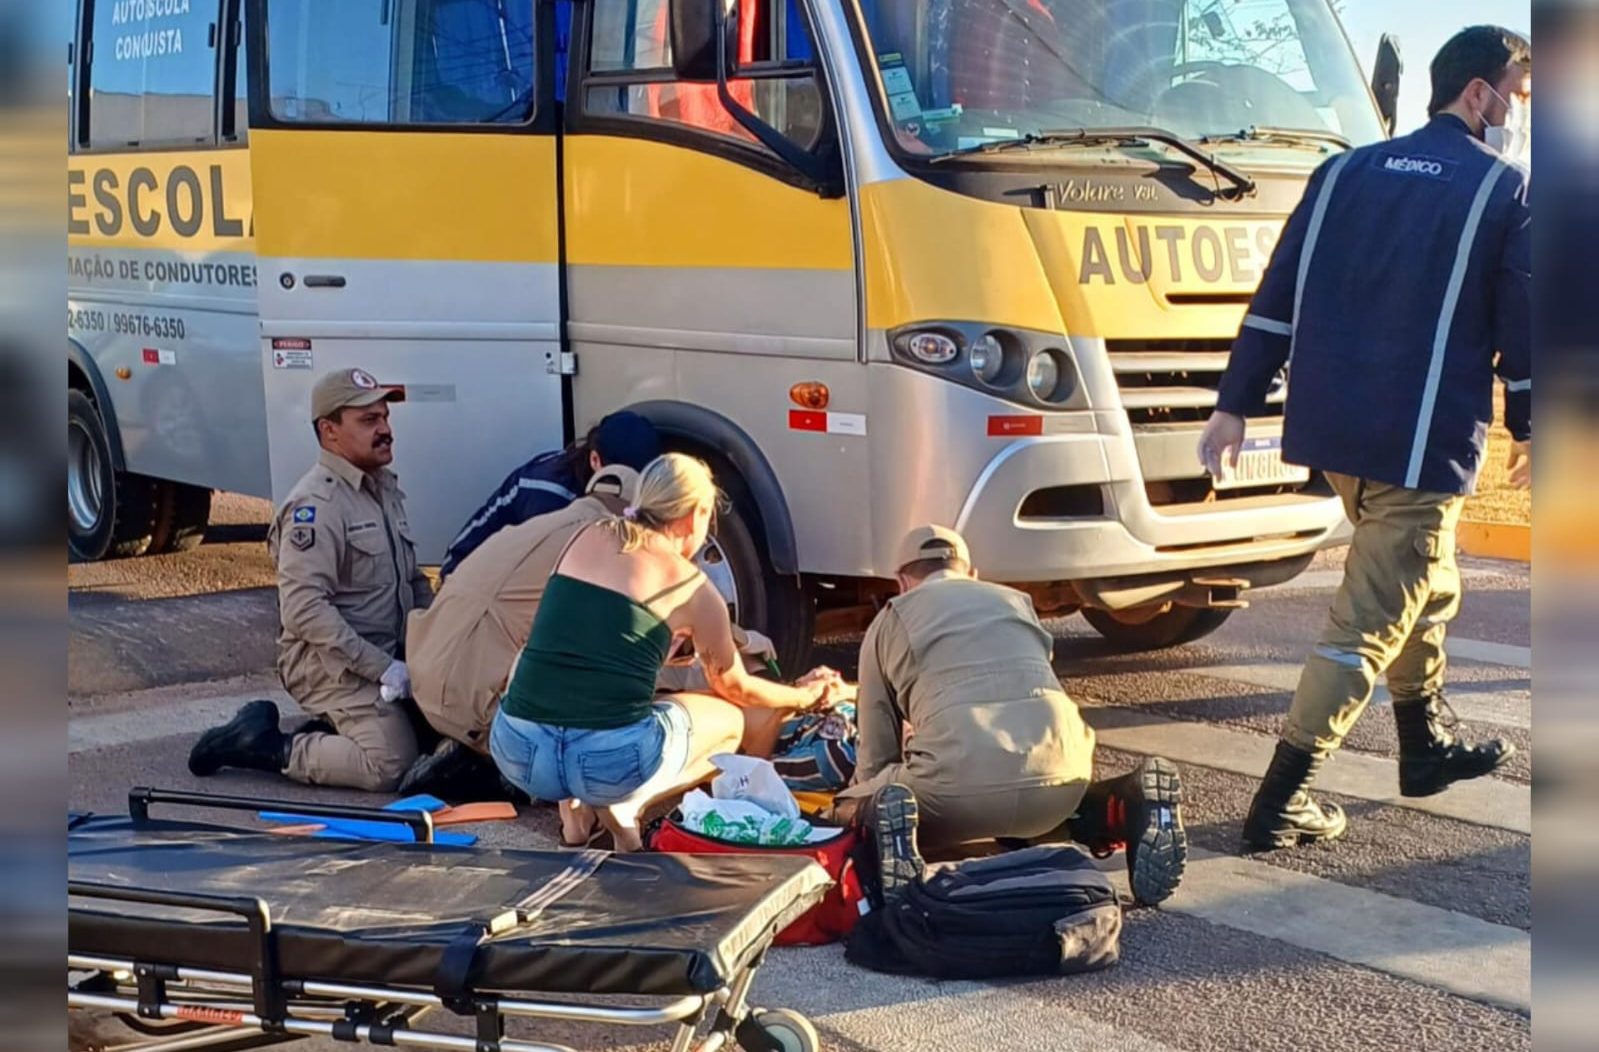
(790, 1031)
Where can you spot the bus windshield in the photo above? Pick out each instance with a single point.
(959, 74)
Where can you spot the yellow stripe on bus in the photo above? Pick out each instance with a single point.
(184, 200)
(932, 254)
(631, 202)
(405, 196)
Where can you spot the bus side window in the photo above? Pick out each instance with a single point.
(629, 71)
(401, 61)
(152, 74)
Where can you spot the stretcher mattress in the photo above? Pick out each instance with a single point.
(351, 912)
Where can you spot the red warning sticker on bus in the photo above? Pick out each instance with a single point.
(1007, 426)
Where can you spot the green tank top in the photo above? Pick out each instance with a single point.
(591, 661)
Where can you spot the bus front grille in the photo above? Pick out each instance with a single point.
(1175, 381)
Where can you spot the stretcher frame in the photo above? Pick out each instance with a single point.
(181, 1009)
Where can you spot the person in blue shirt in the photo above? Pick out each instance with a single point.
(1399, 290)
(551, 481)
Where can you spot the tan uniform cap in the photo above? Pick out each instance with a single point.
(618, 480)
(350, 387)
(932, 542)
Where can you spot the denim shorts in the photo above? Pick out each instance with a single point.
(598, 767)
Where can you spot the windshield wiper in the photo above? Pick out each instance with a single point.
(1257, 133)
(1242, 184)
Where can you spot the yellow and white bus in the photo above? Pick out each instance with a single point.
(882, 262)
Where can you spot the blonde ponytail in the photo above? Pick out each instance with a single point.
(670, 487)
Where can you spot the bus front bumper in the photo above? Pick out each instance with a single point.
(1074, 509)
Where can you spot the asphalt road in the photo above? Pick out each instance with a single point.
(1414, 933)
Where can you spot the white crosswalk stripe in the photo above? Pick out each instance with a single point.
(1506, 708)
(1438, 947)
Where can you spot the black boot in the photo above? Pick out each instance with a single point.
(455, 774)
(899, 862)
(250, 740)
(1430, 758)
(1140, 811)
(1283, 813)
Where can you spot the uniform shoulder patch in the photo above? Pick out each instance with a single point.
(302, 537)
(305, 513)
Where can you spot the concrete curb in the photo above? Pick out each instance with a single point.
(1496, 540)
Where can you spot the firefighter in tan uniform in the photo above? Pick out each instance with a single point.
(347, 579)
(966, 734)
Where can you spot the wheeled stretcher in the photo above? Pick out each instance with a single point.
(207, 936)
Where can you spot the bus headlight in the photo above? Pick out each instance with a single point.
(987, 356)
(1044, 373)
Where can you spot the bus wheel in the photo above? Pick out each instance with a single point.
(109, 513)
(756, 597)
(181, 515)
(1156, 627)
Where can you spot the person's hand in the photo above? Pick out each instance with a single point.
(1519, 464)
(817, 674)
(757, 645)
(395, 683)
(823, 691)
(1219, 445)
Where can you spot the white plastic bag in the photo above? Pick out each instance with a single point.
(755, 780)
(741, 822)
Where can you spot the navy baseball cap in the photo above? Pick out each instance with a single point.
(628, 439)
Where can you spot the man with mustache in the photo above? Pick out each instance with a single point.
(347, 578)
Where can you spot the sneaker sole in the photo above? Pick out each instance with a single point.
(899, 860)
(1162, 844)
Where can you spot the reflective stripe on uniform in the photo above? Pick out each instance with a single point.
(1519, 385)
(1279, 328)
(1312, 232)
(507, 497)
(1446, 320)
(1347, 658)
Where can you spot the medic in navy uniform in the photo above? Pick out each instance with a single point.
(1399, 290)
(551, 481)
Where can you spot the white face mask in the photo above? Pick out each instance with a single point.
(1513, 138)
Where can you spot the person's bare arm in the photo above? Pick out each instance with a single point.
(705, 617)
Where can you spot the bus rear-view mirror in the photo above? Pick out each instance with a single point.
(1385, 73)
(696, 39)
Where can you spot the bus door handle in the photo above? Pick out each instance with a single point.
(324, 281)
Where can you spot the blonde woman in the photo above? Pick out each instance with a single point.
(580, 722)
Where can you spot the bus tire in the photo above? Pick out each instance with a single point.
(1141, 629)
(182, 514)
(110, 513)
(779, 606)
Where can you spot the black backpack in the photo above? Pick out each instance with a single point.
(1039, 911)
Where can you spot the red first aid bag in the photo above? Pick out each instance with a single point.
(829, 920)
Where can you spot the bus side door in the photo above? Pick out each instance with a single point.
(703, 269)
(403, 160)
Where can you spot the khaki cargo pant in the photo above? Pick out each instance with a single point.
(1401, 589)
(374, 744)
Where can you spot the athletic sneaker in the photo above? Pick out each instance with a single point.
(899, 863)
(1141, 812)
